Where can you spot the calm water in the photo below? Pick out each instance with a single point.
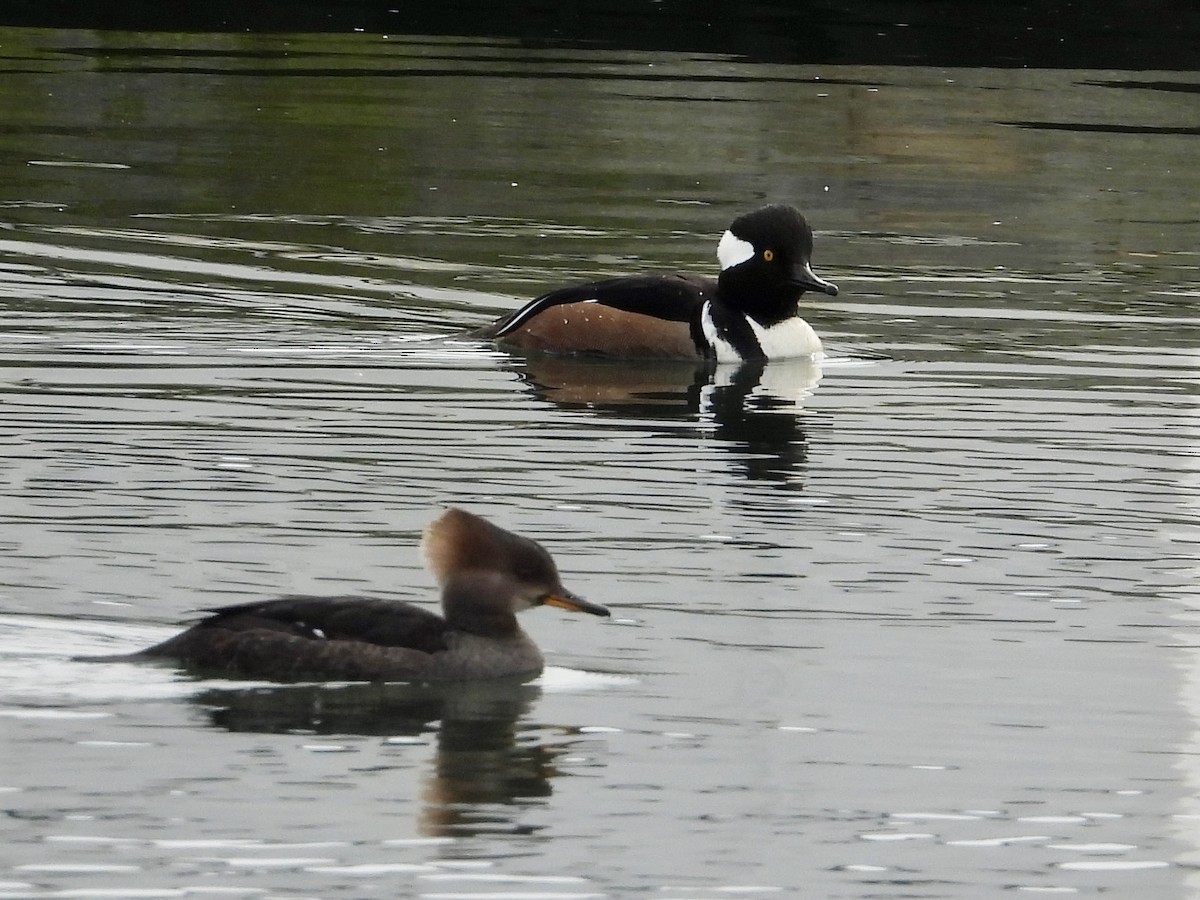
(913, 626)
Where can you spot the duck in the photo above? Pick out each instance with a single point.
(751, 311)
(486, 575)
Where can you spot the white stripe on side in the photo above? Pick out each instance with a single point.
(725, 351)
(534, 309)
(520, 318)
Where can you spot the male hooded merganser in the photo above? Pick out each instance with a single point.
(751, 312)
(486, 574)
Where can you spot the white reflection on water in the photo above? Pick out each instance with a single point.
(36, 667)
(1185, 534)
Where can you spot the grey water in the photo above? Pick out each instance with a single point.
(918, 621)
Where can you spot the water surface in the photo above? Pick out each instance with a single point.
(917, 621)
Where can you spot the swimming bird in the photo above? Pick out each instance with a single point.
(750, 312)
(486, 575)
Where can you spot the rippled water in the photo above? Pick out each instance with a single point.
(917, 622)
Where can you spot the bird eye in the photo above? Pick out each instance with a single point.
(768, 255)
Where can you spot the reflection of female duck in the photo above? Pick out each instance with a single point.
(480, 774)
(750, 312)
(754, 410)
(487, 575)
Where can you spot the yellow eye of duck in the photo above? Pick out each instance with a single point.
(768, 255)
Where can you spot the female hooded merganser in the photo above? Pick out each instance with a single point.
(751, 312)
(486, 574)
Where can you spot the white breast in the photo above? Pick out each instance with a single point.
(787, 339)
(784, 340)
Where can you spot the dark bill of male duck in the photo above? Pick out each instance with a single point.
(486, 575)
(751, 311)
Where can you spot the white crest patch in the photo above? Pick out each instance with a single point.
(733, 251)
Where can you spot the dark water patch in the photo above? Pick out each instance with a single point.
(1107, 128)
(865, 616)
(1121, 35)
(1171, 87)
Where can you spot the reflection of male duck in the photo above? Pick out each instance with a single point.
(487, 575)
(755, 409)
(750, 312)
(756, 412)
